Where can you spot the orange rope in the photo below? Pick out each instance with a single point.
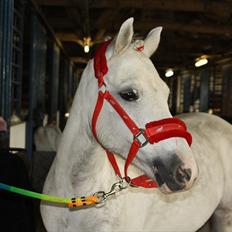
(83, 201)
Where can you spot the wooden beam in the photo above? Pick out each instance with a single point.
(104, 22)
(195, 46)
(144, 26)
(54, 2)
(69, 37)
(79, 60)
(169, 5)
(184, 27)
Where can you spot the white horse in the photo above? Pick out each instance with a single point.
(81, 166)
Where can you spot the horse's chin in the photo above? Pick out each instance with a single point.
(166, 190)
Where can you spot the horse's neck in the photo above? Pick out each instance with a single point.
(81, 164)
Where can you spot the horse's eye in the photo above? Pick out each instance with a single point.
(129, 94)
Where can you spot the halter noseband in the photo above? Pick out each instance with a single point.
(153, 132)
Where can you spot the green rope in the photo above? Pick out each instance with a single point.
(44, 197)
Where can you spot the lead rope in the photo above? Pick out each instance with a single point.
(98, 198)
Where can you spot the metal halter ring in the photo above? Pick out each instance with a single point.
(103, 88)
(141, 138)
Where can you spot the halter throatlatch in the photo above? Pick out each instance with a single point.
(153, 132)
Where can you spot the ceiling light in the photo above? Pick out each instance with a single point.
(87, 42)
(201, 61)
(66, 115)
(86, 48)
(169, 72)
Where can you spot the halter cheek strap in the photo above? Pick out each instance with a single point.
(154, 132)
(142, 181)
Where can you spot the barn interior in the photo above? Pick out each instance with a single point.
(46, 44)
(191, 30)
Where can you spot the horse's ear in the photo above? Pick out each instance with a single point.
(124, 37)
(152, 41)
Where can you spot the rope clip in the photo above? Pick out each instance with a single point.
(116, 187)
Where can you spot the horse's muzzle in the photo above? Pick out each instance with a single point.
(172, 173)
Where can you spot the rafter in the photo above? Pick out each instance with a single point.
(185, 27)
(104, 22)
(167, 24)
(177, 5)
(54, 2)
(79, 60)
(175, 42)
(71, 37)
(169, 5)
(190, 27)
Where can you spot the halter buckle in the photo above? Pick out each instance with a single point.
(141, 138)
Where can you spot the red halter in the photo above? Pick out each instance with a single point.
(153, 133)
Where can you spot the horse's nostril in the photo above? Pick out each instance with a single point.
(182, 175)
(172, 173)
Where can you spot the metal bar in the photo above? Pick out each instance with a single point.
(53, 72)
(204, 90)
(227, 96)
(47, 25)
(17, 30)
(174, 96)
(18, 49)
(18, 13)
(62, 91)
(29, 126)
(7, 9)
(178, 95)
(70, 80)
(1, 41)
(187, 94)
(37, 75)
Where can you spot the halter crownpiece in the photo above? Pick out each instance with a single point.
(153, 132)
(139, 45)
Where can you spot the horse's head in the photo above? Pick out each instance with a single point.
(134, 82)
